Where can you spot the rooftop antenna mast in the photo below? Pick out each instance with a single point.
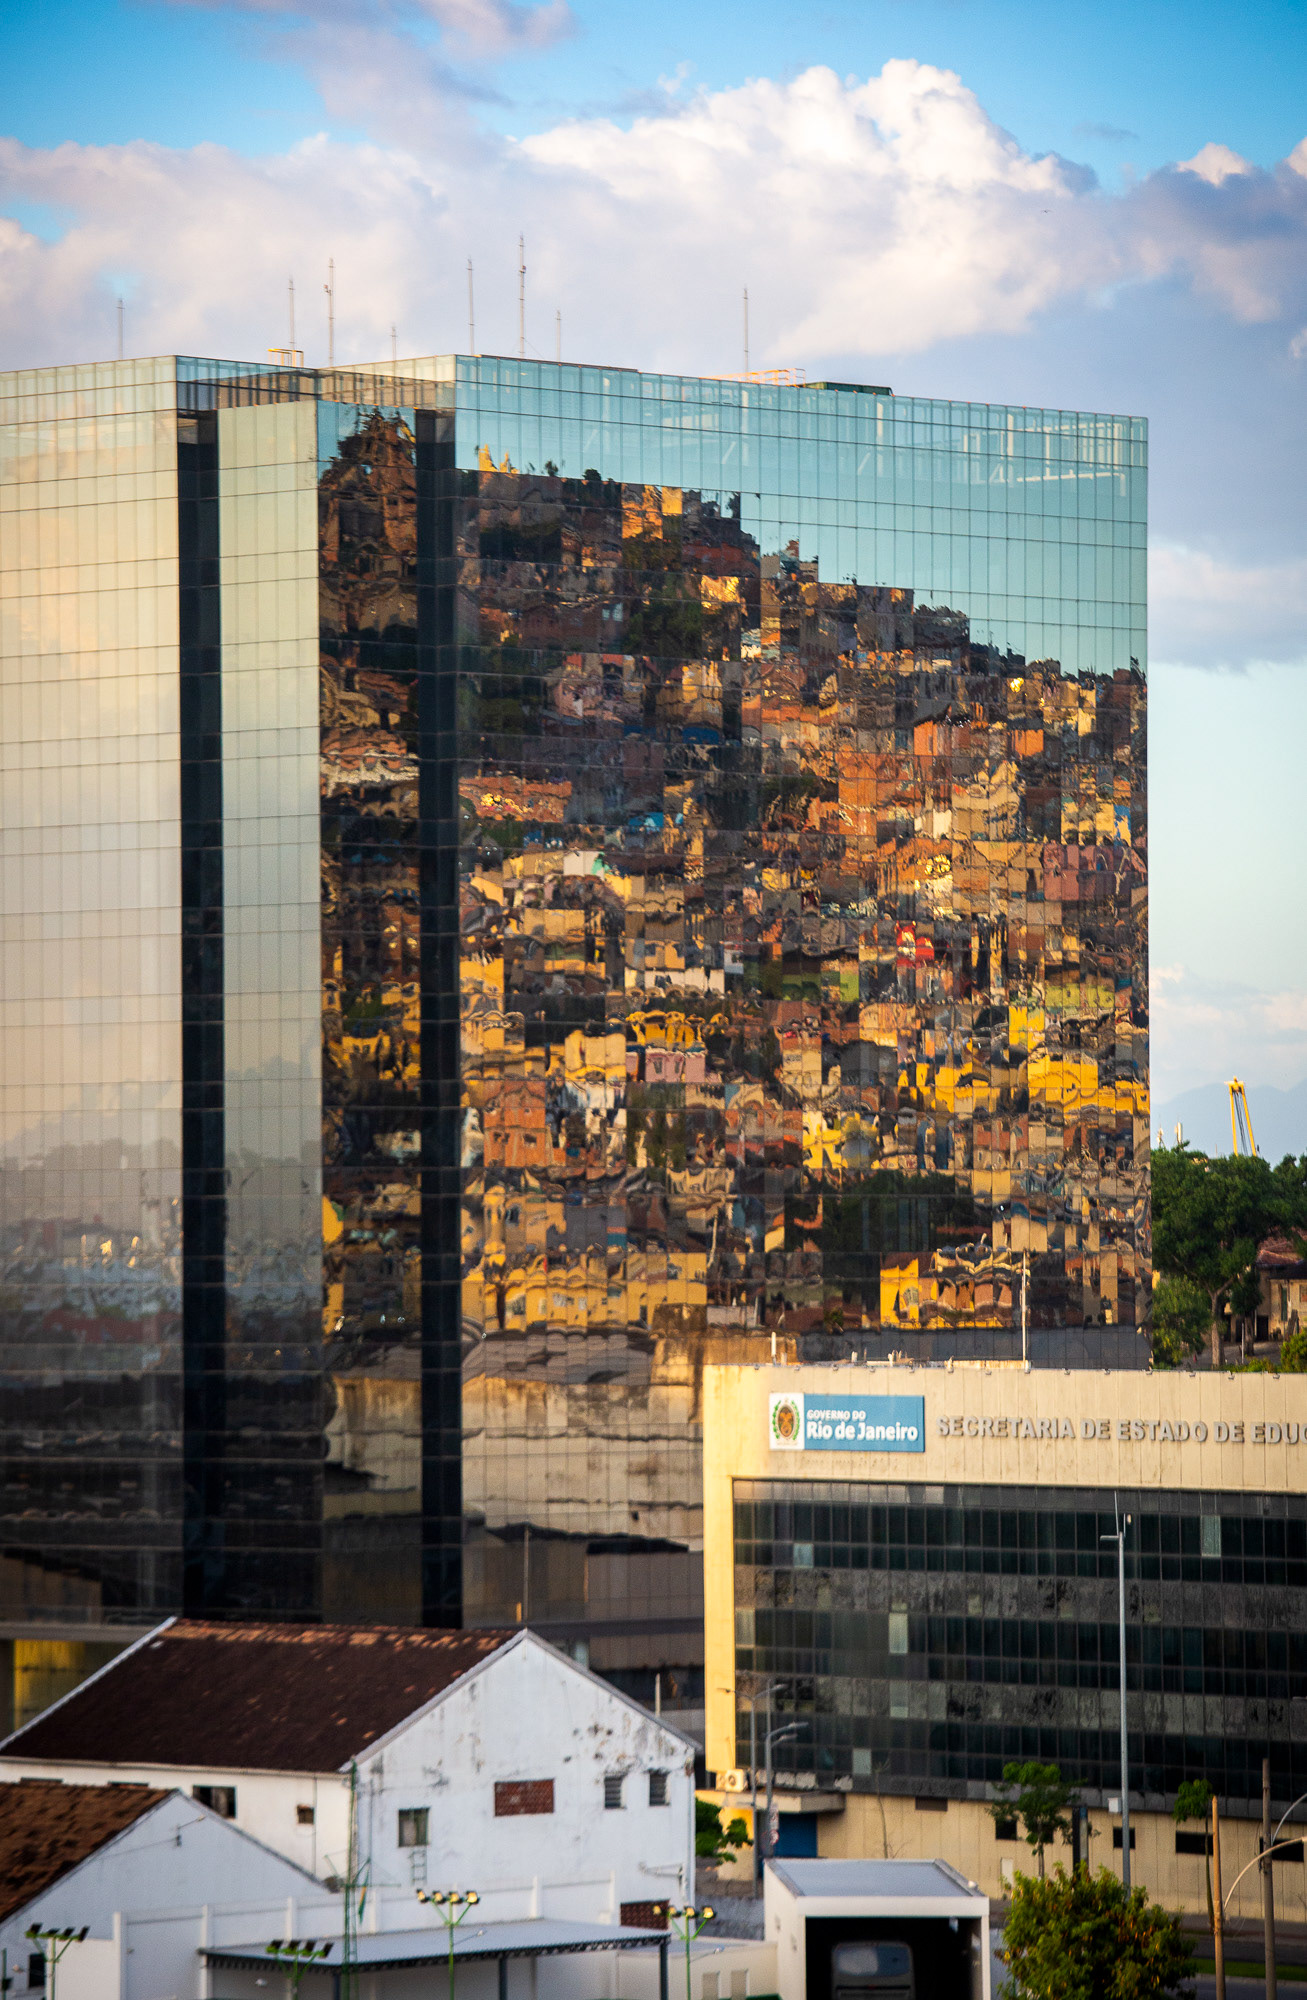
(521, 298)
(471, 313)
(289, 357)
(120, 329)
(746, 329)
(330, 289)
(558, 336)
(394, 348)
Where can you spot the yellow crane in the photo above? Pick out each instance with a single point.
(1241, 1123)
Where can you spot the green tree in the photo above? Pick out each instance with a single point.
(1180, 1321)
(1085, 1937)
(1209, 1219)
(1194, 1801)
(1039, 1796)
(717, 1838)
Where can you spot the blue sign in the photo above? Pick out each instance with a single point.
(800, 1422)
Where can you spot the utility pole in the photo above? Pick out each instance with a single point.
(471, 313)
(1119, 1539)
(330, 289)
(521, 298)
(1218, 1910)
(1268, 1881)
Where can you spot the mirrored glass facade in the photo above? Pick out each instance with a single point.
(929, 1635)
(521, 881)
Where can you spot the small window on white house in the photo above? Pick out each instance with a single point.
(613, 1792)
(413, 1825)
(658, 1788)
(303, 1815)
(220, 1799)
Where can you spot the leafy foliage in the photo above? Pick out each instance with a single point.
(1194, 1801)
(1209, 1218)
(1085, 1937)
(1039, 1796)
(1180, 1321)
(717, 1838)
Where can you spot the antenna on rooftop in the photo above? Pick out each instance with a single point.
(471, 313)
(558, 336)
(330, 289)
(746, 329)
(394, 348)
(292, 356)
(521, 298)
(120, 329)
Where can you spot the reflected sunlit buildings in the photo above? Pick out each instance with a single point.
(519, 881)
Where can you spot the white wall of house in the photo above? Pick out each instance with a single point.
(527, 1713)
(530, 1715)
(269, 1804)
(148, 1897)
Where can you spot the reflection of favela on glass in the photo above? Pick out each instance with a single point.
(800, 1422)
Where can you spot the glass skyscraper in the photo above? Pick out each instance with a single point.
(520, 880)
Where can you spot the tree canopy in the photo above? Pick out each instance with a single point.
(1085, 1937)
(1210, 1218)
(1039, 1797)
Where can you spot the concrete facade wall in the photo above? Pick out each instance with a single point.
(965, 1835)
(530, 1714)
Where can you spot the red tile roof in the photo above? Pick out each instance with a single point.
(48, 1828)
(252, 1697)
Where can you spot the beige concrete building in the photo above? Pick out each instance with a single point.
(913, 1559)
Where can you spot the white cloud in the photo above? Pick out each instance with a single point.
(1207, 609)
(1214, 164)
(867, 218)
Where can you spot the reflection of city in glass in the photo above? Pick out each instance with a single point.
(757, 771)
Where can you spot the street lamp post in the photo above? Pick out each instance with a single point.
(295, 1954)
(777, 1735)
(763, 1694)
(54, 1943)
(451, 1906)
(687, 1922)
(1119, 1539)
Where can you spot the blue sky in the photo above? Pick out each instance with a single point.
(1101, 207)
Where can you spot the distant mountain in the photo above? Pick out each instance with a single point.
(1279, 1118)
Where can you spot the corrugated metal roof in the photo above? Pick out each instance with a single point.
(252, 1697)
(48, 1828)
(535, 1937)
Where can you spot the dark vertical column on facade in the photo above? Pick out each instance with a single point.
(442, 1383)
(204, 1204)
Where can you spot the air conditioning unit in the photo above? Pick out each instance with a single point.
(735, 1781)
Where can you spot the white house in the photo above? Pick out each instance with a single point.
(151, 1876)
(479, 1760)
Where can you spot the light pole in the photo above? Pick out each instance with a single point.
(690, 1921)
(1119, 1539)
(54, 1943)
(777, 1735)
(295, 1954)
(763, 1694)
(451, 1906)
